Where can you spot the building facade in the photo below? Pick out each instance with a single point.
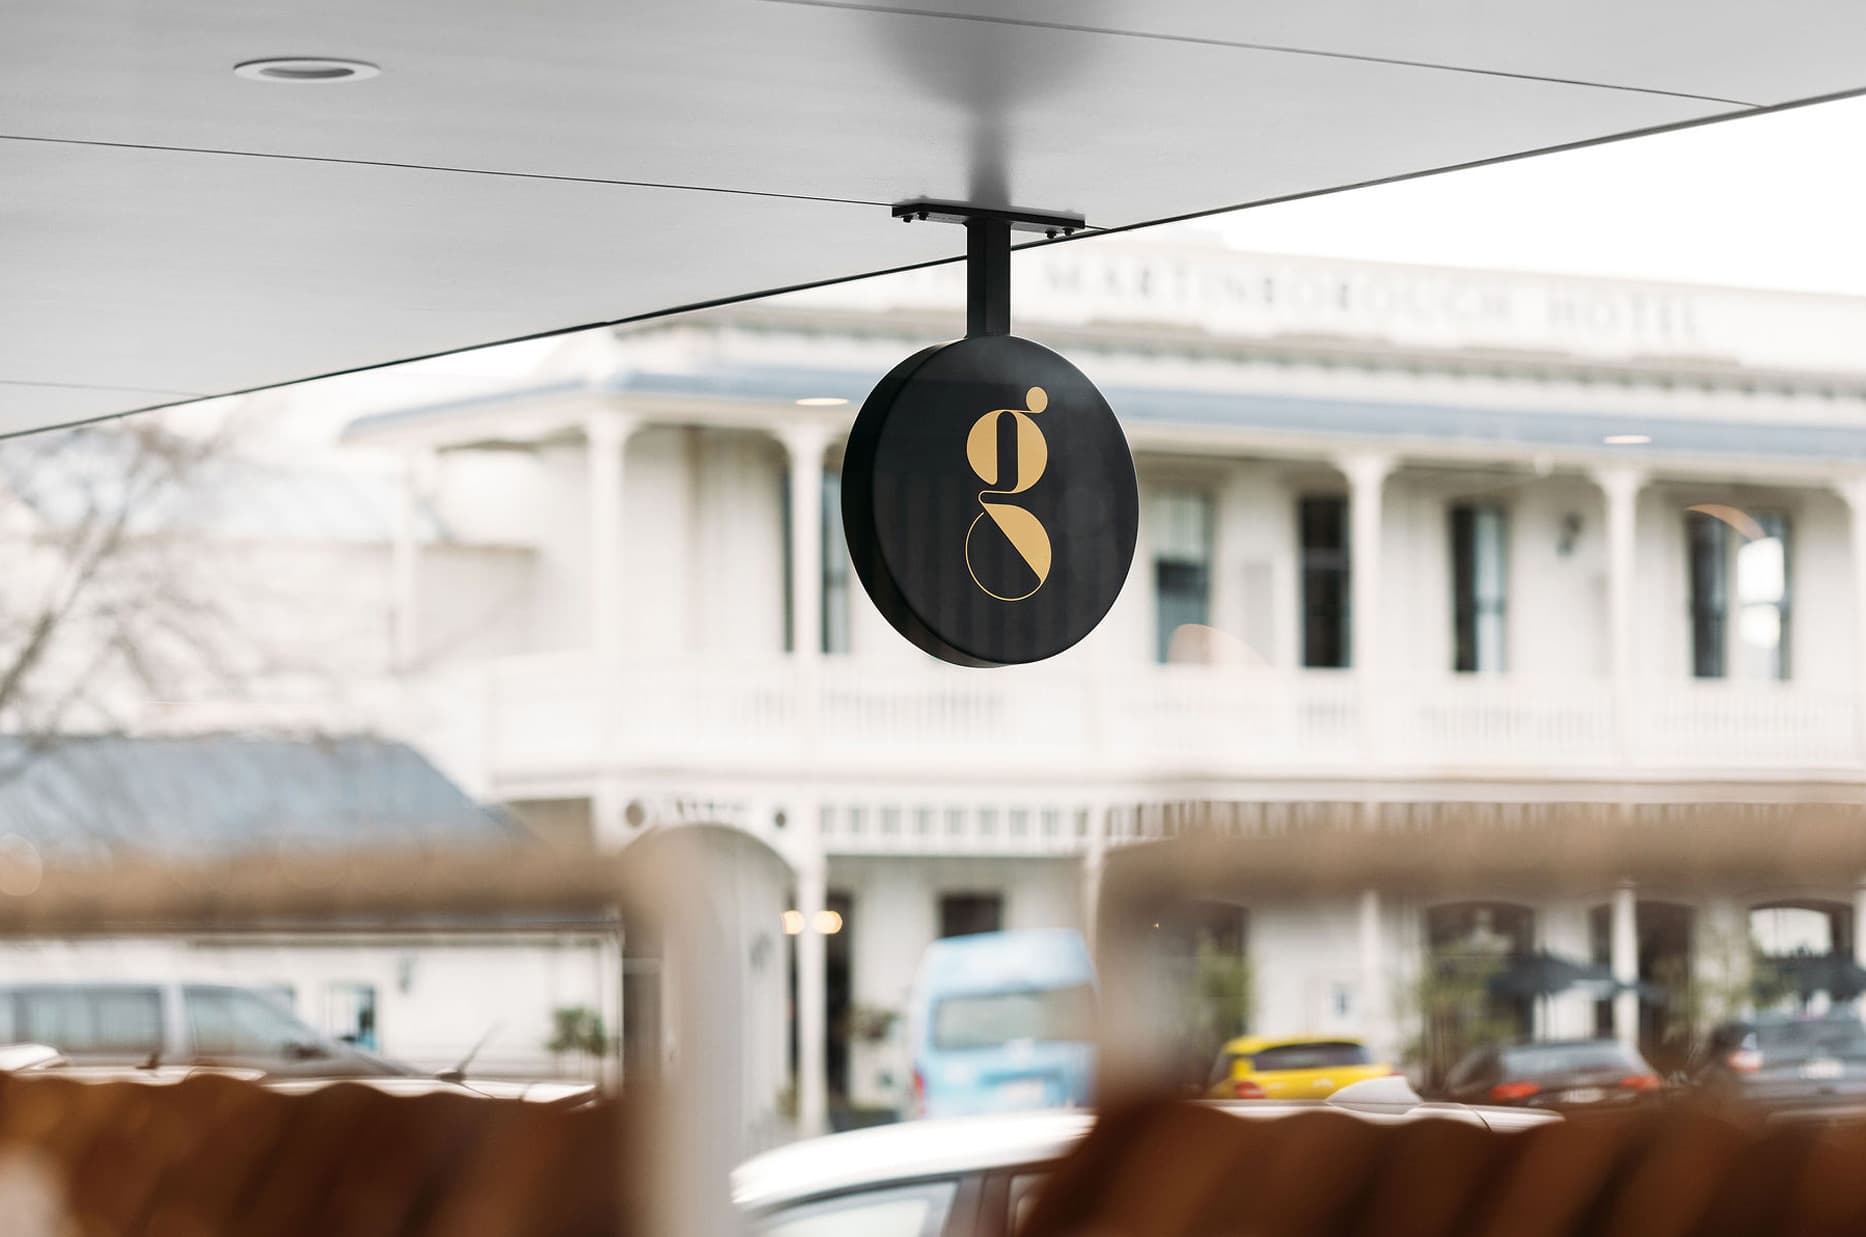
(1409, 536)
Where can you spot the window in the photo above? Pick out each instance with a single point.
(1738, 563)
(1567, 1058)
(353, 1014)
(1786, 929)
(1310, 1056)
(1803, 1040)
(962, 914)
(234, 1024)
(896, 1211)
(1322, 524)
(1479, 588)
(1762, 599)
(993, 1019)
(100, 1021)
(835, 568)
(1181, 532)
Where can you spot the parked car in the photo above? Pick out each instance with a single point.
(42, 1061)
(1787, 1063)
(178, 1024)
(1581, 1073)
(980, 1174)
(1255, 1067)
(30, 1061)
(1002, 1022)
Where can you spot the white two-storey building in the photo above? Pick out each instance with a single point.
(1409, 536)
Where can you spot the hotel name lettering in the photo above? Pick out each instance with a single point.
(1298, 297)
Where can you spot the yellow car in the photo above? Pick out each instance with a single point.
(1306, 1067)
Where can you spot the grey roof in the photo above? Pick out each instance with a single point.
(1344, 418)
(1347, 419)
(83, 799)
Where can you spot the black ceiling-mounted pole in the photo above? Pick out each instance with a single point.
(988, 253)
(987, 277)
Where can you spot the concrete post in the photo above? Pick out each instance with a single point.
(812, 984)
(1376, 1000)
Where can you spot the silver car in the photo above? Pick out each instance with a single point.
(979, 1174)
(169, 1023)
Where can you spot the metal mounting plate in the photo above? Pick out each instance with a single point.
(1048, 223)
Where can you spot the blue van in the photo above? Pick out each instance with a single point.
(1003, 1021)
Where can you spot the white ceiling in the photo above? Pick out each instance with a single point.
(168, 230)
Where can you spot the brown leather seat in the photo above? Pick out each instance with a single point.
(213, 1155)
(1177, 1170)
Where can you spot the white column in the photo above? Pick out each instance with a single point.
(804, 443)
(1376, 1000)
(418, 475)
(1625, 955)
(1562, 929)
(1230, 553)
(1621, 487)
(1367, 475)
(1853, 490)
(1286, 586)
(812, 983)
(606, 433)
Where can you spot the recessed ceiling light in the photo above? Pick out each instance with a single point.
(1627, 440)
(305, 69)
(821, 401)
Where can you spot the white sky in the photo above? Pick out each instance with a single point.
(1773, 201)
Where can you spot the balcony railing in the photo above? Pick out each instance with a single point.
(564, 715)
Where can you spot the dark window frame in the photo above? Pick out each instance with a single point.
(1707, 598)
(970, 905)
(1325, 551)
(1713, 599)
(1469, 609)
(834, 593)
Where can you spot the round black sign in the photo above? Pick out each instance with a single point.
(989, 501)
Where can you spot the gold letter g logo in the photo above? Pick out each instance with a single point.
(1021, 529)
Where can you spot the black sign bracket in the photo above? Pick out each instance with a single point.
(988, 253)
